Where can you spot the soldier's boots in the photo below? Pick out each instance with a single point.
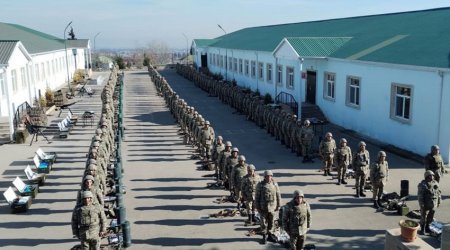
(422, 229)
(375, 204)
(264, 239)
(357, 193)
(361, 192)
(343, 181)
(427, 228)
(238, 206)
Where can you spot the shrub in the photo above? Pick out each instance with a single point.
(49, 95)
(267, 98)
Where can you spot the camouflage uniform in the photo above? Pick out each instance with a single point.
(379, 172)
(217, 150)
(267, 202)
(361, 163)
(429, 196)
(343, 158)
(326, 151)
(434, 162)
(306, 138)
(297, 220)
(237, 174)
(248, 188)
(88, 222)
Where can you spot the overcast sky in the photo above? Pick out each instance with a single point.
(137, 23)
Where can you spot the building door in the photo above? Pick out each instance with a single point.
(204, 61)
(311, 87)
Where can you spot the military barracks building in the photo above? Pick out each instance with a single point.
(31, 61)
(384, 76)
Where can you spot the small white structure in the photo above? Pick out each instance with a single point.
(384, 76)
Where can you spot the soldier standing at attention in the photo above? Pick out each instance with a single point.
(248, 188)
(379, 172)
(89, 223)
(434, 162)
(217, 150)
(237, 174)
(326, 150)
(429, 197)
(306, 138)
(267, 202)
(343, 158)
(297, 220)
(361, 162)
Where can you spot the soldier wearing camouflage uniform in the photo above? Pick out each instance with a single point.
(237, 174)
(223, 156)
(297, 220)
(343, 158)
(267, 203)
(248, 188)
(379, 172)
(89, 223)
(88, 185)
(361, 163)
(326, 150)
(207, 140)
(218, 147)
(429, 196)
(231, 161)
(434, 162)
(306, 138)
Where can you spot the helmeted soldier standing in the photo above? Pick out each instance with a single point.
(237, 174)
(219, 146)
(326, 150)
(267, 202)
(379, 172)
(297, 220)
(361, 163)
(343, 158)
(306, 138)
(434, 162)
(248, 189)
(88, 223)
(429, 197)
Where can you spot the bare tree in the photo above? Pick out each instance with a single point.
(158, 52)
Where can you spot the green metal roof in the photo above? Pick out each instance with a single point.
(413, 38)
(6, 50)
(204, 42)
(34, 41)
(317, 46)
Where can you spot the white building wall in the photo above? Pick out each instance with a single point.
(20, 93)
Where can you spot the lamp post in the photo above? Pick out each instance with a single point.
(95, 52)
(67, 60)
(187, 47)
(226, 55)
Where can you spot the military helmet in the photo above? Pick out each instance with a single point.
(99, 131)
(298, 192)
(428, 173)
(328, 134)
(195, 113)
(92, 167)
(188, 107)
(294, 116)
(362, 143)
(207, 123)
(241, 158)
(343, 140)
(192, 108)
(268, 172)
(92, 161)
(228, 144)
(96, 144)
(381, 153)
(251, 167)
(307, 122)
(87, 194)
(89, 177)
(219, 137)
(434, 147)
(235, 149)
(97, 138)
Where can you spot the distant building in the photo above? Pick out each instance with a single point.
(384, 76)
(31, 61)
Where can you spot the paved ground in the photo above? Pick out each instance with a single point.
(167, 202)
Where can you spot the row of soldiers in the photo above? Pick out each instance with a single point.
(287, 129)
(233, 173)
(89, 217)
(280, 123)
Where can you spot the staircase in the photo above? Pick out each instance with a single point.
(310, 111)
(4, 130)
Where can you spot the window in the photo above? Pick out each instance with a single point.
(353, 91)
(235, 64)
(289, 77)
(2, 85)
(401, 102)
(246, 67)
(23, 77)
(14, 81)
(269, 72)
(42, 71)
(240, 66)
(230, 63)
(261, 71)
(279, 74)
(253, 69)
(221, 61)
(329, 86)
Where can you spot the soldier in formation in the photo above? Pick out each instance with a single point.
(434, 162)
(361, 163)
(327, 148)
(343, 158)
(306, 138)
(379, 172)
(429, 196)
(296, 220)
(248, 187)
